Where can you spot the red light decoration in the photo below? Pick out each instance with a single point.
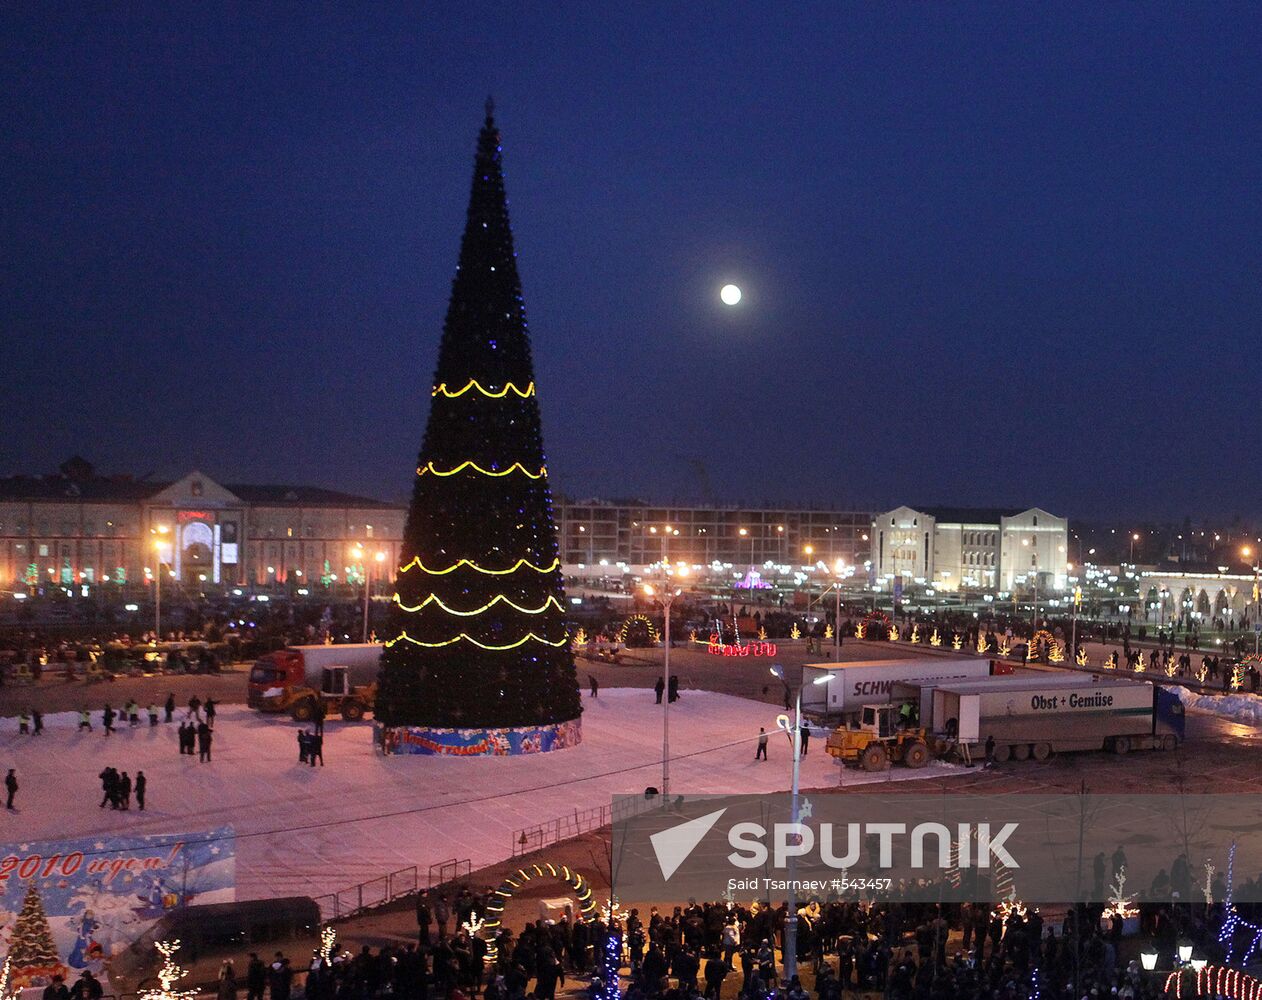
(717, 648)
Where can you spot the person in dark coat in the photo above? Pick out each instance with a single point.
(107, 719)
(56, 990)
(660, 689)
(304, 746)
(805, 737)
(210, 712)
(124, 791)
(169, 707)
(317, 716)
(10, 786)
(315, 748)
(673, 688)
(424, 917)
(141, 782)
(255, 978)
(87, 988)
(204, 737)
(37, 720)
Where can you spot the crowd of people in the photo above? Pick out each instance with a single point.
(903, 951)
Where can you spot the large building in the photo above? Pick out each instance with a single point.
(957, 548)
(633, 534)
(80, 528)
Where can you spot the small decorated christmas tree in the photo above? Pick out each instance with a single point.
(168, 975)
(32, 951)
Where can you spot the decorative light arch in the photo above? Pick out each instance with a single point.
(512, 883)
(654, 635)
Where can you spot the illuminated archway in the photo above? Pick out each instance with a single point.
(508, 888)
(635, 623)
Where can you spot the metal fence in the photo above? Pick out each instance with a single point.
(534, 838)
(367, 895)
(448, 871)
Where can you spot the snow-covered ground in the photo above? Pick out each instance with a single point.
(309, 831)
(1240, 706)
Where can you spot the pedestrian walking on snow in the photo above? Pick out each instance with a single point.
(107, 719)
(204, 737)
(37, 717)
(141, 783)
(10, 786)
(85, 720)
(315, 748)
(24, 723)
(761, 752)
(169, 707)
(304, 746)
(660, 689)
(210, 712)
(153, 715)
(593, 685)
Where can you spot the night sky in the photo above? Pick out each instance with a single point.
(991, 254)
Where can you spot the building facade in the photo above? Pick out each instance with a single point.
(631, 534)
(78, 529)
(954, 549)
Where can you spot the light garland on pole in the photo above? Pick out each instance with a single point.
(328, 939)
(1234, 922)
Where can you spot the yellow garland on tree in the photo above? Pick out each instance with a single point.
(470, 464)
(1082, 656)
(442, 390)
(520, 564)
(404, 637)
(935, 639)
(497, 599)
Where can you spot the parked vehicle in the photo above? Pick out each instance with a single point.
(831, 689)
(299, 678)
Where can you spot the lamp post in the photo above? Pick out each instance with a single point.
(358, 553)
(666, 594)
(795, 740)
(157, 592)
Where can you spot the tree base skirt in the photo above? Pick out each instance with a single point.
(514, 741)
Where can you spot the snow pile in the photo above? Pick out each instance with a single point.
(310, 831)
(1238, 705)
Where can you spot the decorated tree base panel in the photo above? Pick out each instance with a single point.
(431, 741)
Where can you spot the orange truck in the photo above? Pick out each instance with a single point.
(297, 679)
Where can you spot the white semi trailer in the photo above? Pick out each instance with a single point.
(1038, 715)
(850, 686)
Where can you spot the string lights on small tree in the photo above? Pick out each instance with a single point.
(957, 641)
(1082, 658)
(168, 975)
(1120, 904)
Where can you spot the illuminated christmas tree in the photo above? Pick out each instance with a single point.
(32, 952)
(478, 634)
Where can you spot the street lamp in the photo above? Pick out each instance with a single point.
(358, 553)
(157, 593)
(795, 740)
(666, 594)
(1134, 539)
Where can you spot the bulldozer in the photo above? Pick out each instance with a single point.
(880, 740)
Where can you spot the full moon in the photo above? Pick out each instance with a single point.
(730, 294)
